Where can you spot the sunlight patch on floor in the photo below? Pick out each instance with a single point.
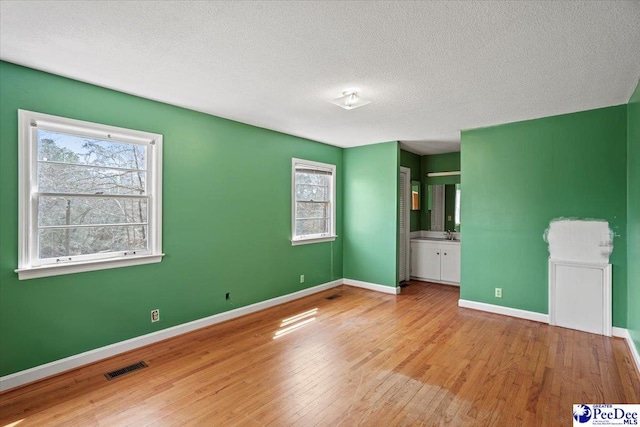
(297, 317)
(293, 323)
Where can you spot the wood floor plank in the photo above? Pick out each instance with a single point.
(365, 359)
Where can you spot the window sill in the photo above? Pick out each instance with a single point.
(70, 268)
(313, 240)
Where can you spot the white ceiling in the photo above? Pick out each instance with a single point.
(430, 68)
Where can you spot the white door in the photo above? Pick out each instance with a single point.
(580, 296)
(405, 227)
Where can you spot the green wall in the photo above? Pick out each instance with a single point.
(227, 222)
(223, 181)
(371, 216)
(441, 163)
(413, 162)
(633, 215)
(517, 178)
(437, 163)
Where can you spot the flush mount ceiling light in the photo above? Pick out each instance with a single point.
(350, 100)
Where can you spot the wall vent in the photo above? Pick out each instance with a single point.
(118, 372)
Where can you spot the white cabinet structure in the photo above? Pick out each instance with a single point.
(450, 263)
(436, 261)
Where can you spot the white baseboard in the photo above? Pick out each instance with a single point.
(439, 282)
(544, 318)
(372, 286)
(58, 366)
(624, 333)
(620, 333)
(506, 311)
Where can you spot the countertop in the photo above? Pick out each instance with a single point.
(435, 240)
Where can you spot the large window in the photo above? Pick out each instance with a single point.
(313, 200)
(90, 196)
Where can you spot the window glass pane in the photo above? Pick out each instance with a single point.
(312, 187)
(313, 209)
(311, 226)
(308, 210)
(90, 240)
(90, 210)
(308, 176)
(67, 148)
(312, 192)
(67, 178)
(457, 208)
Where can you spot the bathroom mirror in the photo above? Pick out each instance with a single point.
(415, 195)
(443, 204)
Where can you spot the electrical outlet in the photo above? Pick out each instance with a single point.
(155, 315)
(498, 292)
(302, 278)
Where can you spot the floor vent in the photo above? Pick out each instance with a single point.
(119, 372)
(334, 296)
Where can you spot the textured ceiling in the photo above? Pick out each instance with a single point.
(431, 69)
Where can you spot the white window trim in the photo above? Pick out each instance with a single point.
(332, 228)
(28, 124)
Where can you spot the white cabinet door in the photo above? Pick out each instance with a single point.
(425, 260)
(418, 255)
(432, 262)
(450, 256)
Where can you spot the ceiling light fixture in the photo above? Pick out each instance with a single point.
(350, 100)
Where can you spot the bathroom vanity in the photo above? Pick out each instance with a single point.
(435, 260)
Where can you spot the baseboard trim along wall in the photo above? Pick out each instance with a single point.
(544, 318)
(624, 333)
(59, 366)
(506, 311)
(372, 286)
(56, 367)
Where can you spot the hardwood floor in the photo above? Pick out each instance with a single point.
(363, 358)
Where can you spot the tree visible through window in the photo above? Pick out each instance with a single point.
(88, 192)
(81, 184)
(313, 200)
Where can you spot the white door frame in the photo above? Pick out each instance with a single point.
(405, 237)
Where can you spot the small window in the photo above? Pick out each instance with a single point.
(313, 202)
(457, 208)
(90, 196)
